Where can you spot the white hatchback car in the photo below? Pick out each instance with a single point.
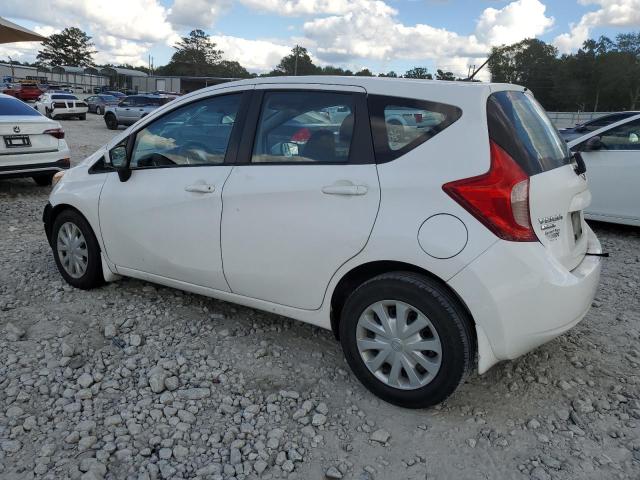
(421, 252)
(31, 144)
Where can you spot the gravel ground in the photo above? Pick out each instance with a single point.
(137, 381)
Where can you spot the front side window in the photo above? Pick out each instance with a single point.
(305, 127)
(622, 137)
(401, 124)
(195, 134)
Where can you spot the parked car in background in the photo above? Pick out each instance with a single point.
(24, 91)
(579, 130)
(131, 109)
(114, 93)
(98, 103)
(61, 105)
(32, 145)
(422, 255)
(612, 157)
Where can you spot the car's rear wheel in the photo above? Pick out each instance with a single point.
(47, 112)
(110, 120)
(407, 339)
(76, 250)
(44, 179)
(83, 116)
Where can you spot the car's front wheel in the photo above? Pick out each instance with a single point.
(407, 339)
(110, 120)
(98, 111)
(76, 250)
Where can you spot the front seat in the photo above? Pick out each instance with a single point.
(321, 146)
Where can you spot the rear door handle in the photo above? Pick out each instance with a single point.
(344, 189)
(200, 188)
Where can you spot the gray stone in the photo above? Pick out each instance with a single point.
(13, 332)
(380, 436)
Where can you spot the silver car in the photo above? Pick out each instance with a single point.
(131, 109)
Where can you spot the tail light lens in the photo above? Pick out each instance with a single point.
(499, 198)
(55, 132)
(418, 117)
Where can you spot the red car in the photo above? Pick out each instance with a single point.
(29, 91)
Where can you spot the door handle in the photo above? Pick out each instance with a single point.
(338, 189)
(200, 188)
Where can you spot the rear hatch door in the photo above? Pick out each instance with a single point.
(557, 194)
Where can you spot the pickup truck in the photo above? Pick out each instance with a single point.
(131, 109)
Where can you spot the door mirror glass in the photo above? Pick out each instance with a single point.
(118, 156)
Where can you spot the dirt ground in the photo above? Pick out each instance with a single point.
(137, 381)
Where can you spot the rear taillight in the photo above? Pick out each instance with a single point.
(418, 117)
(55, 132)
(499, 198)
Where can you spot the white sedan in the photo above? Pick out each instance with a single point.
(31, 145)
(612, 157)
(62, 105)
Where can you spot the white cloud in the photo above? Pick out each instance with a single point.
(319, 7)
(197, 13)
(370, 31)
(615, 13)
(514, 22)
(122, 30)
(255, 55)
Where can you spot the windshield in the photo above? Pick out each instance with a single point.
(519, 124)
(11, 106)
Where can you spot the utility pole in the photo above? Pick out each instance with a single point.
(13, 74)
(295, 67)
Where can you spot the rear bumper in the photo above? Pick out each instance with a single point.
(31, 169)
(521, 297)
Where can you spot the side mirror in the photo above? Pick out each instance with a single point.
(119, 161)
(593, 144)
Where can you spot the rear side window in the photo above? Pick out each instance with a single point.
(11, 106)
(519, 124)
(64, 97)
(401, 124)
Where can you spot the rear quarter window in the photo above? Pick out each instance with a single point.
(519, 124)
(401, 124)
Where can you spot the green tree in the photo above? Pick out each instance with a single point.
(418, 72)
(390, 74)
(530, 63)
(330, 70)
(441, 75)
(71, 47)
(195, 55)
(298, 62)
(365, 72)
(229, 69)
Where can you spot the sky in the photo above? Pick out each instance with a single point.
(380, 35)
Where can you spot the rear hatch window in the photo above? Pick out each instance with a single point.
(520, 126)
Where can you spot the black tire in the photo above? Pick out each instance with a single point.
(92, 276)
(47, 112)
(448, 317)
(111, 121)
(44, 179)
(98, 111)
(83, 116)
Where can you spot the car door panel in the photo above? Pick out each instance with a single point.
(165, 220)
(613, 178)
(283, 237)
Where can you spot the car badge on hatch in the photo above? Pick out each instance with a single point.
(16, 129)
